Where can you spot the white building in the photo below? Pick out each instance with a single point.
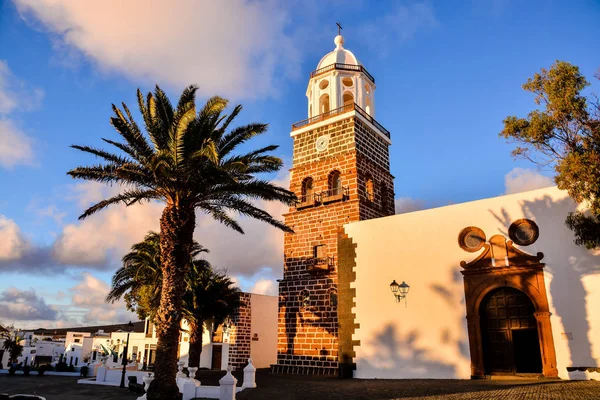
(252, 334)
(497, 286)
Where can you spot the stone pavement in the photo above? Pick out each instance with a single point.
(60, 388)
(567, 390)
(289, 387)
(294, 387)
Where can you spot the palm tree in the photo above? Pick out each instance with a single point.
(212, 297)
(139, 280)
(11, 344)
(188, 161)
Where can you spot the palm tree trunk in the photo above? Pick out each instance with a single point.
(176, 237)
(196, 331)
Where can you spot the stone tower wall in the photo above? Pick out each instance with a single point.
(308, 328)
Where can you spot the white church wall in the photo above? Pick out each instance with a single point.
(263, 346)
(428, 338)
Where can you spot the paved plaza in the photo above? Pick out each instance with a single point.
(290, 387)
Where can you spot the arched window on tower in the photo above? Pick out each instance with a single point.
(324, 103)
(370, 190)
(307, 190)
(348, 98)
(334, 183)
(368, 105)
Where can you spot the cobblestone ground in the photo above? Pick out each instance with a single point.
(531, 391)
(286, 387)
(290, 387)
(60, 388)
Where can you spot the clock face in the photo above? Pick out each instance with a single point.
(322, 143)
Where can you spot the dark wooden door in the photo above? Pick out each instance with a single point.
(217, 353)
(509, 332)
(151, 358)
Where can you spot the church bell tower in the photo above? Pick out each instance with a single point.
(341, 174)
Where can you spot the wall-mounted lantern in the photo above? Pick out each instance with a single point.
(399, 291)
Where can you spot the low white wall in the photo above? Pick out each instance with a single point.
(114, 375)
(264, 324)
(428, 338)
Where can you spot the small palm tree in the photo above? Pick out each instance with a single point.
(11, 344)
(139, 280)
(188, 161)
(211, 297)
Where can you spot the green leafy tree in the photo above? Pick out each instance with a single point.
(565, 134)
(190, 161)
(211, 298)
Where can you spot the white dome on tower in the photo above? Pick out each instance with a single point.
(340, 83)
(339, 55)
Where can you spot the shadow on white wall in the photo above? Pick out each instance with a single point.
(567, 294)
(397, 355)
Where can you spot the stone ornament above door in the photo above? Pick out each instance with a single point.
(501, 264)
(498, 251)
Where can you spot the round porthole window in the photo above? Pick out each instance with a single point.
(471, 239)
(323, 84)
(523, 232)
(347, 82)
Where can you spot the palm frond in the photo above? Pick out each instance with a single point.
(128, 198)
(102, 154)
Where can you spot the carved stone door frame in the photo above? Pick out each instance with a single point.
(502, 265)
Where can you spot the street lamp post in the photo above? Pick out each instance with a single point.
(400, 291)
(124, 362)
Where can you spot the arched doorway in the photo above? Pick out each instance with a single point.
(511, 343)
(507, 308)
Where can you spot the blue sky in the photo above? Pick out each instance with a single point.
(447, 73)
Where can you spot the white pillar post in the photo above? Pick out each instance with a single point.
(180, 373)
(249, 375)
(227, 386)
(101, 373)
(189, 390)
(147, 379)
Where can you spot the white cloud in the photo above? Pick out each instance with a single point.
(52, 212)
(265, 286)
(236, 48)
(19, 254)
(110, 232)
(89, 295)
(82, 304)
(15, 95)
(399, 25)
(13, 245)
(15, 146)
(25, 305)
(521, 180)
(260, 246)
(102, 239)
(407, 204)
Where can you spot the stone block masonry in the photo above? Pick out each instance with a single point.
(240, 336)
(308, 320)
